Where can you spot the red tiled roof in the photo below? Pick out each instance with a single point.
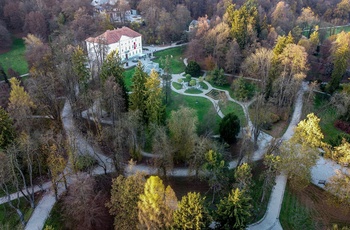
(113, 36)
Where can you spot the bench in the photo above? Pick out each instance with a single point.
(322, 182)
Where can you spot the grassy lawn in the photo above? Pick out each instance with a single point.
(203, 85)
(8, 215)
(177, 85)
(328, 116)
(294, 215)
(128, 77)
(176, 61)
(15, 57)
(193, 91)
(236, 108)
(55, 219)
(201, 105)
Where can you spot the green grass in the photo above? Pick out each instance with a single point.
(176, 62)
(128, 74)
(203, 85)
(328, 116)
(293, 214)
(193, 91)
(201, 105)
(55, 219)
(8, 215)
(237, 109)
(332, 31)
(177, 86)
(15, 57)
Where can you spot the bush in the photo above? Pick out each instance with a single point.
(85, 163)
(343, 126)
(193, 82)
(188, 77)
(193, 69)
(229, 128)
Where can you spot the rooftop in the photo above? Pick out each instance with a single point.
(113, 36)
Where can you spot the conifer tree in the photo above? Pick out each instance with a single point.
(154, 105)
(138, 95)
(191, 213)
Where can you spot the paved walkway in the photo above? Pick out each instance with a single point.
(269, 221)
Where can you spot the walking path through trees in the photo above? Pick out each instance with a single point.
(82, 146)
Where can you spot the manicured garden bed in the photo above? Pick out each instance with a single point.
(193, 91)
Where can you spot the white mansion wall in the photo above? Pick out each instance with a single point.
(126, 47)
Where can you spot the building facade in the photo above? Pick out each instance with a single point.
(127, 42)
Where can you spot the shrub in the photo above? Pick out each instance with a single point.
(242, 89)
(85, 163)
(193, 69)
(188, 78)
(342, 125)
(192, 82)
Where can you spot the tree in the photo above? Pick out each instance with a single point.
(5, 37)
(217, 77)
(79, 60)
(191, 213)
(217, 172)
(341, 153)
(138, 95)
(193, 69)
(182, 127)
(3, 75)
(84, 205)
(124, 198)
(161, 147)
(229, 127)
(293, 67)
(307, 20)
(233, 57)
(7, 131)
(258, 66)
(234, 210)
(36, 24)
(308, 132)
(242, 22)
(112, 67)
(153, 103)
(341, 57)
(20, 104)
(243, 176)
(282, 17)
(156, 205)
(300, 153)
(339, 185)
(242, 89)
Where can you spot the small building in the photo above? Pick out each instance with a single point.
(127, 42)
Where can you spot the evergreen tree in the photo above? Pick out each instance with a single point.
(234, 210)
(138, 95)
(191, 213)
(154, 105)
(193, 69)
(156, 205)
(79, 60)
(112, 67)
(229, 128)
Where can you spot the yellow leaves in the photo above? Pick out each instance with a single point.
(342, 152)
(18, 97)
(308, 132)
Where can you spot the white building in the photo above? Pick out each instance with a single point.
(126, 41)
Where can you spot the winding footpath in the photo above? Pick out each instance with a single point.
(80, 144)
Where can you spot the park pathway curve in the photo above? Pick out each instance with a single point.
(271, 217)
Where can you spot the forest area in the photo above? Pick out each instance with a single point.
(199, 162)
